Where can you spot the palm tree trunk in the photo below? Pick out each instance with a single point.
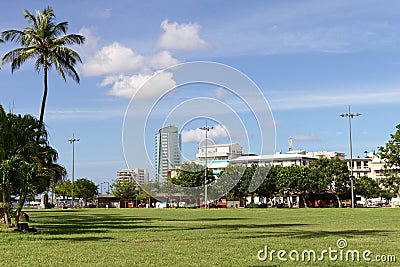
(305, 201)
(19, 208)
(44, 98)
(339, 201)
(5, 209)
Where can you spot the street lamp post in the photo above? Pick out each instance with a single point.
(350, 116)
(206, 128)
(72, 141)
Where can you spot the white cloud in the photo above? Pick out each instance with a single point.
(306, 138)
(222, 93)
(125, 70)
(128, 86)
(113, 59)
(161, 60)
(90, 45)
(197, 135)
(184, 36)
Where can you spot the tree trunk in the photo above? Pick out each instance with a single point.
(339, 201)
(289, 198)
(19, 209)
(44, 98)
(5, 210)
(305, 201)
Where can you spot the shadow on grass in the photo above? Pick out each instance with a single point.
(81, 225)
(301, 234)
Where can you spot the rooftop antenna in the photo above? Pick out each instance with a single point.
(290, 144)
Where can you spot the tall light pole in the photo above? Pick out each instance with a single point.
(206, 128)
(72, 141)
(350, 116)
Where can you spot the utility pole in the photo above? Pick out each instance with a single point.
(350, 116)
(206, 128)
(72, 141)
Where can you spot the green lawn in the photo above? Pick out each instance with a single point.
(190, 237)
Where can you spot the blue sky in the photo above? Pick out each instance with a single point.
(310, 59)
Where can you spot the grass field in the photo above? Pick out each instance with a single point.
(194, 237)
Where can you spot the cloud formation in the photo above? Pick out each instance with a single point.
(125, 70)
(118, 59)
(184, 36)
(222, 93)
(219, 132)
(128, 86)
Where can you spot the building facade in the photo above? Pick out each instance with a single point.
(286, 159)
(136, 175)
(167, 151)
(218, 156)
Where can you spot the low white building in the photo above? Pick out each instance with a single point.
(218, 156)
(286, 159)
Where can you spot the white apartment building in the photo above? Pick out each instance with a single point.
(361, 166)
(285, 159)
(218, 156)
(167, 151)
(137, 175)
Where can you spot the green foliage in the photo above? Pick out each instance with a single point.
(124, 189)
(390, 153)
(331, 176)
(28, 161)
(227, 182)
(268, 188)
(46, 42)
(64, 189)
(366, 187)
(191, 174)
(390, 187)
(85, 189)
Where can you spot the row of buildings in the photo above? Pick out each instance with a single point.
(218, 156)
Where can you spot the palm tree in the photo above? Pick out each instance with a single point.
(27, 161)
(47, 43)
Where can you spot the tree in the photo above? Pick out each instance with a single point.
(390, 187)
(390, 153)
(57, 174)
(8, 169)
(47, 43)
(64, 189)
(332, 176)
(190, 176)
(85, 189)
(268, 188)
(243, 175)
(294, 180)
(226, 183)
(125, 189)
(302, 182)
(24, 140)
(366, 187)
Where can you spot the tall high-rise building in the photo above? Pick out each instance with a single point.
(167, 151)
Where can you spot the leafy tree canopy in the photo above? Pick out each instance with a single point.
(390, 153)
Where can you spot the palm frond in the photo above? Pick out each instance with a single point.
(12, 35)
(69, 39)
